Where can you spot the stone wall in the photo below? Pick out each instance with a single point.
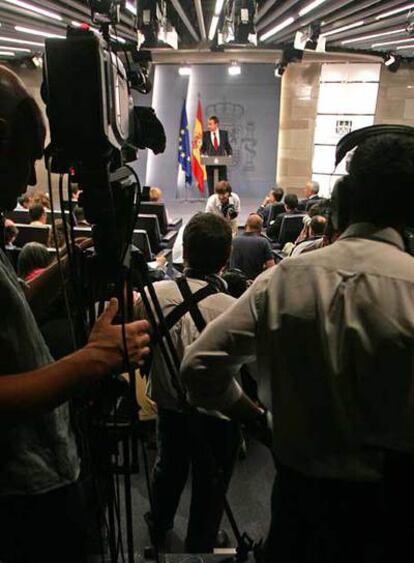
(299, 99)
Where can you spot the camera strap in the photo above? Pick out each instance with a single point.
(189, 305)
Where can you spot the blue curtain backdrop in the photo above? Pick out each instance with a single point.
(247, 106)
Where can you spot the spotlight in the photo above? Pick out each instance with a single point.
(280, 70)
(184, 70)
(37, 61)
(392, 62)
(234, 69)
(309, 39)
(154, 29)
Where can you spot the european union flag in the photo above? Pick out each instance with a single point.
(184, 147)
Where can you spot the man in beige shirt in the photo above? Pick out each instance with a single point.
(333, 334)
(206, 442)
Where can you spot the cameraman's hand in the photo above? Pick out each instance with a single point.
(106, 342)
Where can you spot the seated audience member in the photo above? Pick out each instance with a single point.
(184, 439)
(33, 259)
(37, 215)
(155, 194)
(311, 193)
(226, 203)
(23, 202)
(320, 208)
(10, 234)
(43, 198)
(75, 192)
(42, 512)
(59, 240)
(315, 240)
(252, 252)
(291, 207)
(177, 250)
(80, 218)
(342, 402)
(270, 202)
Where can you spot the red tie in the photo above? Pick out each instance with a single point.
(215, 142)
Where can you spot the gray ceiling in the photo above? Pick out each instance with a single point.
(192, 20)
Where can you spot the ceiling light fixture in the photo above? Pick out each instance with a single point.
(234, 69)
(310, 7)
(341, 29)
(21, 41)
(405, 47)
(396, 11)
(17, 49)
(184, 70)
(277, 28)
(215, 19)
(7, 54)
(35, 9)
(397, 41)
(38, 32)
(373, 36)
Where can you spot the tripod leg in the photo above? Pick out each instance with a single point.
(128, 501)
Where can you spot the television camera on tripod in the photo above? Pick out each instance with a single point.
(95, 130)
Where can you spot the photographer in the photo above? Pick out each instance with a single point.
(41, 509)
(333, 334)
(225, 203)
(205, 441)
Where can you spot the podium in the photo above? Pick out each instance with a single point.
(215, 161)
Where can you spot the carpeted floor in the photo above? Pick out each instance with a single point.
(249, 497)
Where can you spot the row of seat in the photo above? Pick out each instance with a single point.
(149, 237)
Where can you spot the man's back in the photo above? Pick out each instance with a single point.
(250, 253)
(183, 333)
(336, 332)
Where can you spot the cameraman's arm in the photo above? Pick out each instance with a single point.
(28, 393)
(212, 363)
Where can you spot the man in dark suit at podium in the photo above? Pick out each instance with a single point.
(215, 143)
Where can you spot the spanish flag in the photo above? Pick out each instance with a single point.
(199, 171)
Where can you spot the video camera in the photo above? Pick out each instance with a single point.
(94, 126)
(229, 210)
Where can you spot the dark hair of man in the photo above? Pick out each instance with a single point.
(207, 241)
(223, 187)
(382, 181)
(291, 201)
(320, 208)
(10, 233)
(318, 225)
(32, 256)
(36, 211)
(278, 194)
(79, 214)
(214, 118)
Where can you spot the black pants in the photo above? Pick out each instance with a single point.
(210, 446)
(45, 528)
(222, 175)
(329, 521)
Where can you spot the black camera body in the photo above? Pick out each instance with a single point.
(229, 210)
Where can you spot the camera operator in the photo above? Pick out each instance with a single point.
(41, 511)
(206, 441)
(333, 334)
(225, 203)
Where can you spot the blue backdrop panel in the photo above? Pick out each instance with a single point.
(247, 106)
